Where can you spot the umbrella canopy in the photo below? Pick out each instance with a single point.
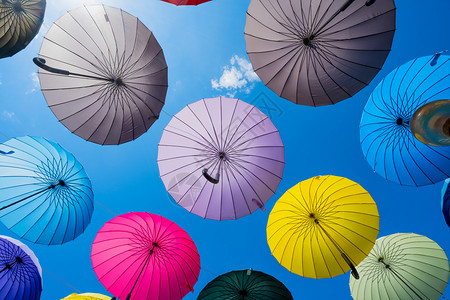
(45, 194)
(318, 52)
(87, 296)
(430, 124)
(402, 266)
(445, 201)
(103, 74)
(221, 158)
(322, 227)
(142, 256)
(386, 138)
(245, 284)
(20, 271)
(186, 2)
(20, 21)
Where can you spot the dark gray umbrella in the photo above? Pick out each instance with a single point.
(318, 52)
(103, 74)
(20, 21)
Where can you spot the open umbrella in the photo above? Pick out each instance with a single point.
(445, 201)
(221, 158)
(430, 124)
(143, 256)
(20, 271)
(386, 138)
(245, 284)
(103, 74)
(318, 52)
(20, 21)
(186, 2)
(45, 194)
(402, 266)
(88, 296)
(323, 227)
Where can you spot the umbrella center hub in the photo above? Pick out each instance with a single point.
(222, 155)
(243, 293)
(119, 81)
(399, 121)
(19, 260)
(307, 41)
(17, 6)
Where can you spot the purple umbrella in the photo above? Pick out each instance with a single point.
(221, 158)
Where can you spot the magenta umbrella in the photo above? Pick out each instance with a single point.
(141, 256)
(221, 158)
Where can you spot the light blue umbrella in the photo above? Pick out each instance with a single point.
(386, 138)
(45, 194)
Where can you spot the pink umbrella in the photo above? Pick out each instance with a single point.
(186, 2)
(141, 256)
(221, 158)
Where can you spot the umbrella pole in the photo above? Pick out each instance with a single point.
(140, 273)
(61, 183)
(41, 63)
(398, 276)
(344, 256)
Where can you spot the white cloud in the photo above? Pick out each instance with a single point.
(7, 114)
(35, 80)
(236, 77)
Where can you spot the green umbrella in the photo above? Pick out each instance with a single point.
(20, 21)
(402, 266)
(245, 285)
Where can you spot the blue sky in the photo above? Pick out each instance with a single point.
(205, 51)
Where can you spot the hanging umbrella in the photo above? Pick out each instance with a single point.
(245, 284)
(402, 266)
(386, 138)
(322, 227)
(88, 296)
(430, 124)
(445, 201)
(221, 158)
(142, 256)
(20, 21)
(20, 271)
(186, 2)
(103, 74)
(45, 194)
(318, 52)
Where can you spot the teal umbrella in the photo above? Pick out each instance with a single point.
(402, 266)
(245, 285)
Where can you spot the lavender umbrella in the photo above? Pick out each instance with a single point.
(318, 52)
(221, 158)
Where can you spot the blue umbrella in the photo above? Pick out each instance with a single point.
(20, 272)
(45, 194)
(445, 201)
(386, 138)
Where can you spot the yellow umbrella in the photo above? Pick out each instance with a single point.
(87, 296)
(322, 227)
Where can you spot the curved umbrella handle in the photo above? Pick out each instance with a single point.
(40, 62)
(349, 263)
(6, 153)
(209, 177)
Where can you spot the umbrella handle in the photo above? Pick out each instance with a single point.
(209, 177)
(40, 62)
(6, 153)
(349, 263)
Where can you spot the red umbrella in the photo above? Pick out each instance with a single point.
(141, 256)
(186, 2)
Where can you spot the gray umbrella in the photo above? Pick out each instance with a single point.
(103, 74)
(318, 52)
